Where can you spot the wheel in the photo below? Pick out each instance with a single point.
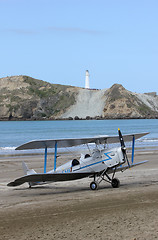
(115, 183)
(94, 185)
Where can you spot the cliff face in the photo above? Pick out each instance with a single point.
(113, 103)
(25, 98)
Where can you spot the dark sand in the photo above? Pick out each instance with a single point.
(70, 210)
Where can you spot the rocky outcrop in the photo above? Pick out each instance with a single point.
(26, 98)
(122, 103)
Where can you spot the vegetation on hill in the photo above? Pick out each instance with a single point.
(34, 99)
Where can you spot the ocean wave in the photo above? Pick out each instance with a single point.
(148, 140)
(7, 148)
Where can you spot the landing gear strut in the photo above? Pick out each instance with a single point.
(115, 183)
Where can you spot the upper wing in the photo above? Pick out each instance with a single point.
(70, 142)
(48, 177)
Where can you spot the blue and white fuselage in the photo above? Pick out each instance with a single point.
(99, 160)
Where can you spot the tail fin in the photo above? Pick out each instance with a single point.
(28, 171)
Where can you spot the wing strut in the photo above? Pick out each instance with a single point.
(55, 155)
(133, 142)
(45, 160)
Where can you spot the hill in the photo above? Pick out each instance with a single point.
(23, 97)
(26, 98)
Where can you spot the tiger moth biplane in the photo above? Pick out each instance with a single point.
(97, 165)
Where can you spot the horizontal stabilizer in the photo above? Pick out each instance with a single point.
(48, 177)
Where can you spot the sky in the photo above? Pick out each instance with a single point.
(58, 40)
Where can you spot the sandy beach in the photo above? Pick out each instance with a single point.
(70, 210)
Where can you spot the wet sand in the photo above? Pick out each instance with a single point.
(70, 210)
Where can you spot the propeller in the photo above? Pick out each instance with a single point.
(123, 147)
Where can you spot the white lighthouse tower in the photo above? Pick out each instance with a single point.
(87, 79)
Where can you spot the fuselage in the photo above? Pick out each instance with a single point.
(98, 161)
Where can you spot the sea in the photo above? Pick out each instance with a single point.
(16, 133)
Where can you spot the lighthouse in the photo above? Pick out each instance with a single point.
(87, 79)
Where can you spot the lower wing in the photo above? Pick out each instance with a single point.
(124, 167)
(48, 177)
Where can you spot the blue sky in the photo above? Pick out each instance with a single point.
(57, 40)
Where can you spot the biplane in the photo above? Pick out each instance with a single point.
(97, 164)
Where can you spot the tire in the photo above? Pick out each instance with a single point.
(94, 185)
(115, 183)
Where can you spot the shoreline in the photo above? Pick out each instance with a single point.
(88, 118)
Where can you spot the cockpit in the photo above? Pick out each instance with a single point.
(75, 162)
